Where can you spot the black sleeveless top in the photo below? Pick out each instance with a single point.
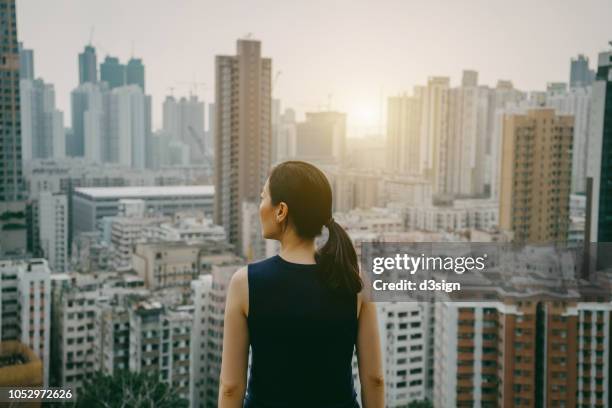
(302, 337)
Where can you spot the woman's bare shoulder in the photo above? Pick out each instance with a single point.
(241, 275)
(239, 287)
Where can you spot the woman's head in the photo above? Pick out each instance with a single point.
(297, 197)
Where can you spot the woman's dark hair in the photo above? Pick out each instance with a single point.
(308, 195)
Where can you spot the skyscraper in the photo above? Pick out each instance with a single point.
(209, 295)
(26, 63)
(599, 165)
(433, 132)
(466, 137)
(580, 72)
(113, 72)
(87, 102)
(242, 133)
(322, 137)
(536, 176)
(275, 122)
(127, 126)
(403, 133)
(526, 350)
(53, 216)
(184, 121)
(135, 73)
(42, 125)
(503, 98)
(88, 65)
(287, 135)
(12, 208)
(575, 101)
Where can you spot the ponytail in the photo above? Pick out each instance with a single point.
(338, 260)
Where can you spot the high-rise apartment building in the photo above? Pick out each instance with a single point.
(322, 137)
(466, 138)
(242, 133)
(112, 328)
(209, 140)
(599, 166)
(167, 151)
(89, 111)
(404, 343)
(275, 123)
(128, 129)
(117, 74)
(112, 72)
(504, 99)
(53, 229)
(135, 73)
(434, 124)
(536, 176)
(403, 133)
(42, 125)
(74, 334)
(183, 120)
(521, 350)
(111, 119)
(160, 340)
(88, 65)
(12, 208)
(577, 102)
(201, 290)
(209, 294)
(287, 136)
(111, 125)
(580, 73)
(26, 62)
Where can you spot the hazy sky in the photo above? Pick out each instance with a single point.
(354, 50)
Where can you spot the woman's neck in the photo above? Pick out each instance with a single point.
(297, 250)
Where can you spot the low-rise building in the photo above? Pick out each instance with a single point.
(91, 204)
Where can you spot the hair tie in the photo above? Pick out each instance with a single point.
(328, 223)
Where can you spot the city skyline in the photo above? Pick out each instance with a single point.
(358, 73)
(123, 219)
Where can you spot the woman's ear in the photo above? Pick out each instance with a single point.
(282, 212)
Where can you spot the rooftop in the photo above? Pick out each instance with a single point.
(148, 191)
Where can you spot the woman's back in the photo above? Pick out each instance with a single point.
(302, 337)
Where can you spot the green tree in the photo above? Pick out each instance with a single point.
(128, 389)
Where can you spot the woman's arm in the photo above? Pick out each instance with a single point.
(234, 362)
(369, 358)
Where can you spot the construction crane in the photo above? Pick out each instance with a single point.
(207, 160)
(195, 137)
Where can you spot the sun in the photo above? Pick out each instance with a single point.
(363, 114)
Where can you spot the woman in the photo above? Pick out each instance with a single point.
(301, 311)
